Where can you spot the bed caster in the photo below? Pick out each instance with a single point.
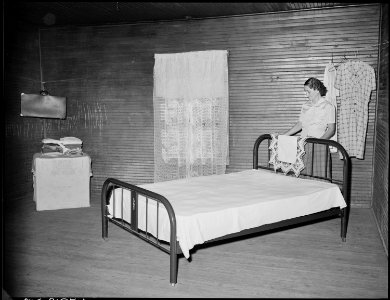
(344, 239)
(172, 284)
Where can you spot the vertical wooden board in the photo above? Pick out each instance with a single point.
(381, 147)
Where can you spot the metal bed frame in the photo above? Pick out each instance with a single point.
(173, 249)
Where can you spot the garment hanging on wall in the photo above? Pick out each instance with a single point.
(355, 80)
(329, 80)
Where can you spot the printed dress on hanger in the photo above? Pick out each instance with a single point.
(355, 81)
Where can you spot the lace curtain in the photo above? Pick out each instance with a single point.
(190, 99)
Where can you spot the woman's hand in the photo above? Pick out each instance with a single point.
(293, 130)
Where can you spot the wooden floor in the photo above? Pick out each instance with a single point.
(61, 253)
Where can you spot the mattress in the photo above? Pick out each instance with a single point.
(209, 207)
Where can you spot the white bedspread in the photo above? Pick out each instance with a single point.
(208, 207)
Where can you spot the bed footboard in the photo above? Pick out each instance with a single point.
(108, 190)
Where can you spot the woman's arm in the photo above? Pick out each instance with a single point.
(329, 131)
(293, 130)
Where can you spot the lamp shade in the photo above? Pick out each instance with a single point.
(43, 106)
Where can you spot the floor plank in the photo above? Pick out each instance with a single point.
(61, 253)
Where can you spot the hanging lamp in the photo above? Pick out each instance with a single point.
(42, 105)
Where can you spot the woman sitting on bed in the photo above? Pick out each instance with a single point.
(317, 119)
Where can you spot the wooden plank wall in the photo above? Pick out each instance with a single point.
(21, 135)
(380, 203)
(106, 72)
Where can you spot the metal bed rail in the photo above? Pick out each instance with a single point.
(112, 184)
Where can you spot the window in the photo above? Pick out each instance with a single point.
(190, 114)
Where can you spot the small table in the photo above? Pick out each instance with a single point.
(61, 181)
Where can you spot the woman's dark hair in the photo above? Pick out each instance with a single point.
(316, 84)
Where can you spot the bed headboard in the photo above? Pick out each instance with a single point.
(334, 167)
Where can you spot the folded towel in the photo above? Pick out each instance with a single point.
(297, 166)
(287, 148)
(71, 140)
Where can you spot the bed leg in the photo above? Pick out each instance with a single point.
(104, 226)
(173, 264)
(104, 209)
(173, 269)
(344, 222)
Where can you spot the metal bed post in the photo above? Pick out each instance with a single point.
(344, 212)
(326, 161)
(312, 159)
(173, 248)
(173, 262)
(346, 193)
(134, 211)
(256, 149)
(330, 167)
(103, 210)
